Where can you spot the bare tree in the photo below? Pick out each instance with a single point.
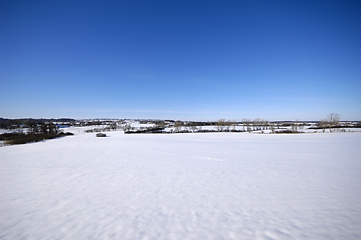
(227, 125)
(220, 124)
(333, 120)
(160, 124)
(323, 124)
(177, 126)
(265, 124)
(127, 127)
(272, 127)
(245, 123)
(234, 124)
(49, 128)
(257, 123)
(193, 128)
(294, 126)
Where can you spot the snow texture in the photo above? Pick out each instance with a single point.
(183, 186)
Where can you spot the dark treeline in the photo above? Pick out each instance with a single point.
(28, 122)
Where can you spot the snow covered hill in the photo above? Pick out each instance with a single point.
(183, 186)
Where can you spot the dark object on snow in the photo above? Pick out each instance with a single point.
(101, 135)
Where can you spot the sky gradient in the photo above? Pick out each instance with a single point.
(188, 60)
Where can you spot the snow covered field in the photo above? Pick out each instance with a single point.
(183, 186)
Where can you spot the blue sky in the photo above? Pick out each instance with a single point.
(189, 60)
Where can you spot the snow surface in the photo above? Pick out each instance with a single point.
(183, 186)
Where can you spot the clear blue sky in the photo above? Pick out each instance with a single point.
(189, 60)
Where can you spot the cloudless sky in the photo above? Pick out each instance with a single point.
(188, 60)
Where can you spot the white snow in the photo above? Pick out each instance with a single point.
(183, 186)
